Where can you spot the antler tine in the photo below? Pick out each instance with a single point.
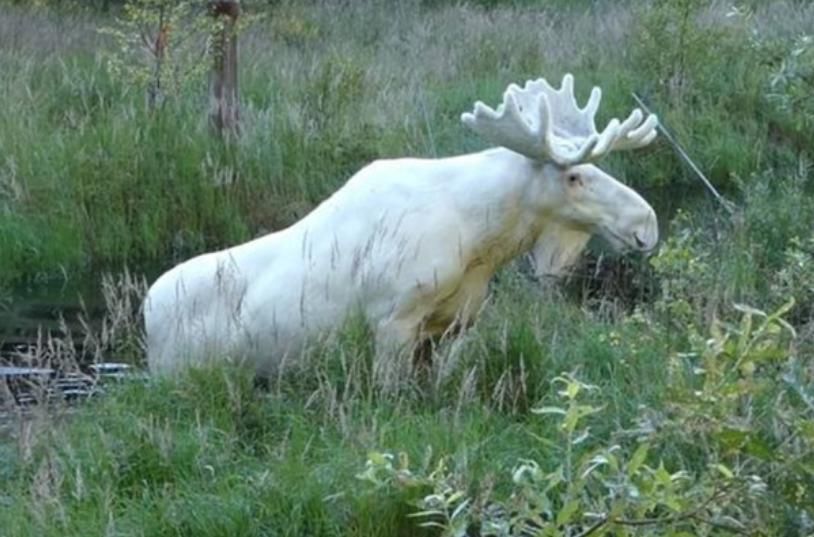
(645, 133)
(592, 105)
(509, 127)
(606, 139)
(567, 87)
(636, 131)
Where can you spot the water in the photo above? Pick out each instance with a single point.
(42, 329)
(48, 308)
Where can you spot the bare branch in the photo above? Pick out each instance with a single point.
(694, 514)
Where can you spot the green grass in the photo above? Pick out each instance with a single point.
(91, 180)
(289, 474)
(210, 454)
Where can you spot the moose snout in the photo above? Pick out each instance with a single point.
(646, 234)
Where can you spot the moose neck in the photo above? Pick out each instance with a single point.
(557, 249)
(502, 198)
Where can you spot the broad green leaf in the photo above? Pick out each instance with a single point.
(548, 410)
(732, 439)
(427, 513)
(547, 442)
(807, 428)
(758, 447)
(432, 525)
(457, 495)
(637, 459)
(460, 509)
(749, 310)
(567, 512)
(379, 459)
(586, 410)
(782, 310)
(674, 503)
(748, 368)
(572, 390)
(583, 436)
(662, 476)
(724, 470)
(569, 423)
(593, 464)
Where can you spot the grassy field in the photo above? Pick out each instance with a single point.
(640, 397)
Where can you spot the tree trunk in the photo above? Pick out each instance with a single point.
(224, 109)
(155, 90)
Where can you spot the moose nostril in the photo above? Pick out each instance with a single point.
(639, 242)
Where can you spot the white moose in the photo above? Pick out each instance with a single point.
(411, 244)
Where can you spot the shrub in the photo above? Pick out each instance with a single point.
(716, 411)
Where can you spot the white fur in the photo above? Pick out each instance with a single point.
(410, 244)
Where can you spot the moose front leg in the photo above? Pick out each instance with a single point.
(422, 354)
(428, 342)
(403, 339)
(396, 339)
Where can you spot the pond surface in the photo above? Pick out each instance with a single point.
(56, 304)
(42, 331)
(48, 307)
(34, 368)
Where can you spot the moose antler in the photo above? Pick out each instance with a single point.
(547, 124)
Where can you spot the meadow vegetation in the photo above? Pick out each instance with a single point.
(672, 395)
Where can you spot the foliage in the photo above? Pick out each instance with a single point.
(794, 279)
(676, 47)
(161, 46)
(683, 266)
(792, 83)
(601, 489)
(701, 435)
(330, 99)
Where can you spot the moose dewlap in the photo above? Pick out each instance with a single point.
(411, 244)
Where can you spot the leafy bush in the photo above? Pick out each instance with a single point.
(792, 84)
(716, 409)
(161, 47)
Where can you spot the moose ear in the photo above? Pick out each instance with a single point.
(557, 249)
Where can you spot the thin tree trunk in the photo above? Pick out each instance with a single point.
(224, 109)
(155, 91)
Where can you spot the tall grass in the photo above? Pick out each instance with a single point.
(213, 454)
(91, 178)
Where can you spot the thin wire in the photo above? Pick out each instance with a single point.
(726, 204)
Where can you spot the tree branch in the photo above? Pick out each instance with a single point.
(694, 514)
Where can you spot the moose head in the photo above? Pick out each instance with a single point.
(548, 127)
